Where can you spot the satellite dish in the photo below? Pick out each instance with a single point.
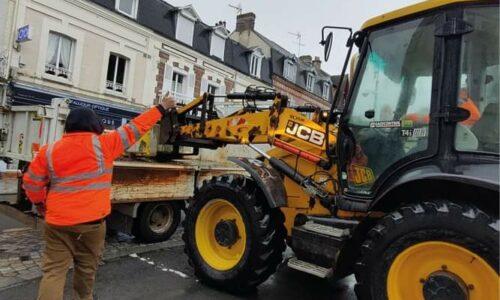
(328, 45)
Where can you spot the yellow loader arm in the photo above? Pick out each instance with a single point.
(197, 125)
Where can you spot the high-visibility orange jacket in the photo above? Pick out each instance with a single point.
(467, 104)
(73, 175)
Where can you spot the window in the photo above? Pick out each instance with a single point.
(310, 82)
(289, 70)
(127, 7)
(255, 63)
(59, 55)
(212, 89)
(479, 83)
(218, 42)
(178, 84)
(184, 31)
(117, 73)
(326, 90)
(389, 116)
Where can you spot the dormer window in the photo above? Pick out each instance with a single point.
(326, 90)
(256, 62)
(186, 17)
(310, 82)
(289, 69)
(127, 7)
(218, 41)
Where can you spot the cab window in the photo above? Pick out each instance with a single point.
(389, 113)
(479, 83)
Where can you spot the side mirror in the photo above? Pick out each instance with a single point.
(327, 44)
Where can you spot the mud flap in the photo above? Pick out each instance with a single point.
(267, 179)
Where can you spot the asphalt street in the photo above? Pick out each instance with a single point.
(165, 274)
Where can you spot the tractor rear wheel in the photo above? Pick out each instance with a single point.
(430, 250)
(233, 239)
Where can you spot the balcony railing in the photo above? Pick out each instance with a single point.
(179, 97)
(57, 71)
(115, 86)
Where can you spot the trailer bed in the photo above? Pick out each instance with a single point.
(136, 181)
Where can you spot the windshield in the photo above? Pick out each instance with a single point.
(389, 116)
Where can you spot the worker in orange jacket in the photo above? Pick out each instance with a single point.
(464, 101)
(70, 180)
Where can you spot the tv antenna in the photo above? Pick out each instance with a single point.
(238, 8)
(298, 36)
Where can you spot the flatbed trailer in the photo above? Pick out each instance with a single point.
(147, 196)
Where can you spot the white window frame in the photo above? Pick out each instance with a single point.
(326, 90)
(184, 82)
(255, 63)
(57, 70)
(113, 83)
(289, 70)
(188, 13)
(218, 33)
(135, 5)
(310, 82)
(183, 95)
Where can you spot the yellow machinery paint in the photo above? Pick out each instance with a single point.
(408, 11)
(257, 128)
(219, 257)
(414, 265)
(301, 148)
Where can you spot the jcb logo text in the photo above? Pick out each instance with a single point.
(305, 133)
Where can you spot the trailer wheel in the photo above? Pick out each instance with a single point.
(156, 221)
(430, 250)
(233, 239)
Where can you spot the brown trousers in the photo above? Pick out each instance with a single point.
(82, 244)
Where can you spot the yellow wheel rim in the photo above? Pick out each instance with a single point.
(414, 266)
(220, 256)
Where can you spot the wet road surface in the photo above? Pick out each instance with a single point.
(165, 274)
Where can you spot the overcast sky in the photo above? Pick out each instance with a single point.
(275, 18)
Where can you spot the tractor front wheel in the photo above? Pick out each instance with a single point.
(233, 239)
(431, 250)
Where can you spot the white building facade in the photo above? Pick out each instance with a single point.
(115, 56)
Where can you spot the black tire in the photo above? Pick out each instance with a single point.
(156, 221)
(265, 234)
(465, 226)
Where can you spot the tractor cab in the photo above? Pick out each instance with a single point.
(424, 100)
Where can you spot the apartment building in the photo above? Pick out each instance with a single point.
(116, 56)
(301, 78)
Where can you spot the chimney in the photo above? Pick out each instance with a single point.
(317, 63)
(245, 22)
(306, 59)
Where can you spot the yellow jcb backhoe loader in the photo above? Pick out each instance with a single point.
(400, 187)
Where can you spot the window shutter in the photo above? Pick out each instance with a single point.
(204, 86)
(221, 90)
(167, 79)
(190, 86)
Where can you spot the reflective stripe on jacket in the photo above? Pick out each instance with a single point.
(73, 175)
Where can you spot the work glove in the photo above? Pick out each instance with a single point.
(167, 102)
